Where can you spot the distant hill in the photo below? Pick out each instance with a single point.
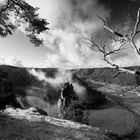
(105, 75)
(35, 93)
(20, 77)
(29, 89)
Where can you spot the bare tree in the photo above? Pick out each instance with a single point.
(123, 40)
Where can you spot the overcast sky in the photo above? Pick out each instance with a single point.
(70, 22)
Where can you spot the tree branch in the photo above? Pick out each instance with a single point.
(6, 27)
(6, 7)
(135, 32)
(106, 54)
(22, 8)
(124, 39)
(109, 29)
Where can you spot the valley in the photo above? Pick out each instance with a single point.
(118, 115)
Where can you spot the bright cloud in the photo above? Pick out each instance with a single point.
(11, 61)
(71, 22)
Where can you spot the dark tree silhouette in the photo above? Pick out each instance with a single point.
(14, 13)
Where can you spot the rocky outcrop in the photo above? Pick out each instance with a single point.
(69, 107)
(30, 125)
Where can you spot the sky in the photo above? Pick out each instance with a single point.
(71, 23)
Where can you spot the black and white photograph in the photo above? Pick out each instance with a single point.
(69, 69)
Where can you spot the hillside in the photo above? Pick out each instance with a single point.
(29, 125)
(105, 75)
(41, 88)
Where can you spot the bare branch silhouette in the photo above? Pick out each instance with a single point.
(128, 38)
(106, 54)
(135, 32)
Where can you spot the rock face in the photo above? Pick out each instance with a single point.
(7, 96)
(69, 106)
(17, 124)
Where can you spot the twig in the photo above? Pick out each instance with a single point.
(110, 30)
(102, 49)
(6, 7)
(135, 32)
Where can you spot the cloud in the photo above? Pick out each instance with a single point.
(11, 61)
(61, 77)
(71, 21)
